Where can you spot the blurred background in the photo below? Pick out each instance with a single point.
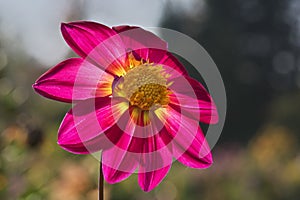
(255, 45)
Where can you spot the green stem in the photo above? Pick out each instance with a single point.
(101, 182)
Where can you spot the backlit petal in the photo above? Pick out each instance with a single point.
(172, 65)
(118, 164)
(83, 126)
(156, 156)
(198, 155)
(149, 180)
(189, 96)
(144, 43)
(97, 43)
(72, 80)
(189, 144)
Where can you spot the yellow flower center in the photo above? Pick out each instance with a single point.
(145, 85)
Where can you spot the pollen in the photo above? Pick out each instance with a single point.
(145, 86)
(149, 95)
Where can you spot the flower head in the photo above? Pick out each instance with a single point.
(132, 99)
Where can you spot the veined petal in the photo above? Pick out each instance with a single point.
(198, 155)
(143, 145)
(73, 80)
(134, 136)
(118, 164)
(82, 129)
(145, 44)
(189, 144)
(189, 96)
(150, 47)
(156, 155)
(172, 66)
(133, 35)
(148, 134)
(149, 180)
(97, 43)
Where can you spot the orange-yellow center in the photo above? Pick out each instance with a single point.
(145, 86)
(148, 95)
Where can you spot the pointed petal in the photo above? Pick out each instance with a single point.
(112, 175)
(149, 135)
(98, 43)
(189, 144)
(149, 180)
(73, 80)
(143, 145)
(150, 47)
(198, 155)
(156, 155)
(173, 66)
(147, 45)
(118, 164)
(191, 99)
(82, 128)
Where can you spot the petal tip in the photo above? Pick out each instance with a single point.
(65, 27)
(113, 176)
(64, 24)
(34, 86)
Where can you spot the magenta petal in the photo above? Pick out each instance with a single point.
(149, 180)
(193, 100)
(147, 45)
(172, 66)
(82, 129)
(189, 144)
(138, 38)
(198, 155)
(155, 162)
(112, 175)
(136, 145)
(150, 47)
(98, 43)
(72, 80)
(118, 164)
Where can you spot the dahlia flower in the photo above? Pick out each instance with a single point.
(132, 99)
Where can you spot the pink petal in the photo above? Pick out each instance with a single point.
(189, 144)
(97, 43)
(149, 180)
(112, 175)
(191, 98)
(118, 164)
(132, 137)
(155, 160)
(150, 141)
(198, 155)
(72, 80)
(141, 145)
(82, 128)
(142, 42)
(146, 138)
(172, 66)
(148, 46)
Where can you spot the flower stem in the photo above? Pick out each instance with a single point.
(101, 182)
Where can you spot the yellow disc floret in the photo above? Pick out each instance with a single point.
(145, 86)
(149, 95)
